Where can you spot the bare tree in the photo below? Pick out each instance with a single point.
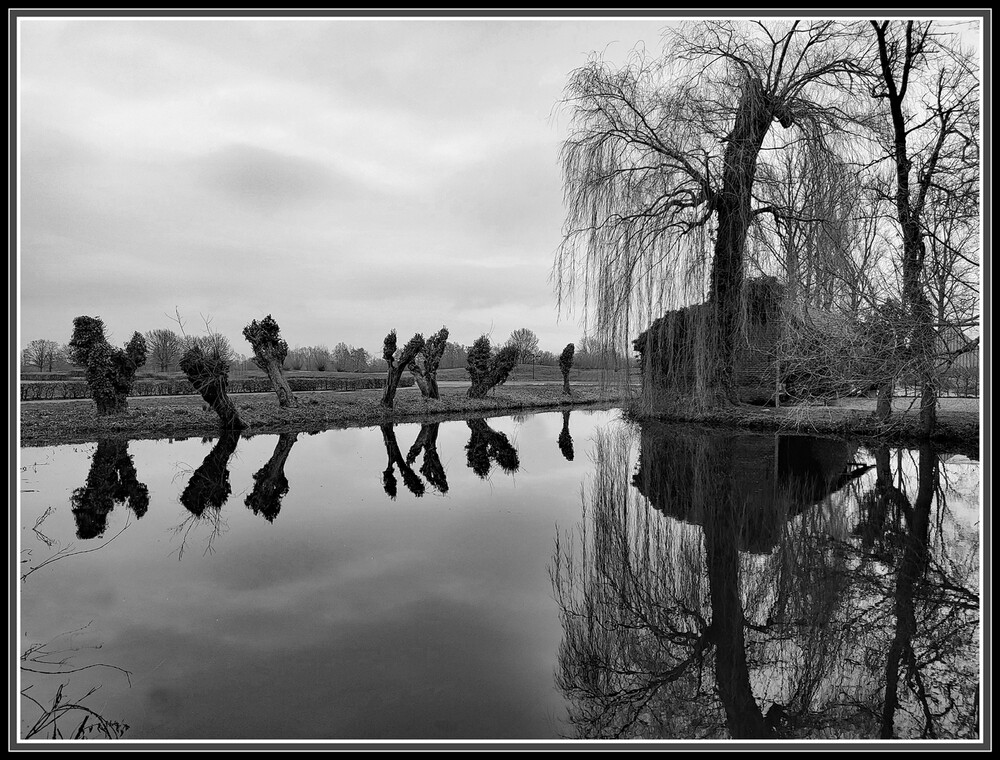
(165, 348)
(931, 94)
(526, 343)
(40, 353)
(660, 169)
(360, 359)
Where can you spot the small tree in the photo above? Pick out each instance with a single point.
(110, 370)
(320, 358)
(341, 357)
(269, 352)
(208, 372)
(360, 359)
(526, 343)
(486, 369)
(165, 347)
(396, 366)
(425, 365)
(39, 353)
(565, 365)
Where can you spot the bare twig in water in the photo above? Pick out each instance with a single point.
(64, 552)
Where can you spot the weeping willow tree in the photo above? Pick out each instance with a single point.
(660, 173)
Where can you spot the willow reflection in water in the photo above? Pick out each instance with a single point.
(565, 440)
(112, 480)
(487, 446)
(754, 587)
(269, 482)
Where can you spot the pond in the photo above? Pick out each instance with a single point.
(552, 575)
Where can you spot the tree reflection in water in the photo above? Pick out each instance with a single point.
(773, 590)
(565, 439)
(269, 482)
(410, 479)
(209, 484)
(486, 446)
(431, 469)
(112, 480)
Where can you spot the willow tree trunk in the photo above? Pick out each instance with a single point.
(432, 386)
(210, 378)
(734, 214)
(392, 385)
(566, 389)
(215, 393)
(281, 388)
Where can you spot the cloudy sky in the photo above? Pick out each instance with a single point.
(346, 176)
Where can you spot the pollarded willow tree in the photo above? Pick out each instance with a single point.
(488, 369)
(110, 371)
(269, 352)
(396, 364)
(661, 164)
(425, 364)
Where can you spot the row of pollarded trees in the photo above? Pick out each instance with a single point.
(111, 371)
(487, 367)
(841, 156)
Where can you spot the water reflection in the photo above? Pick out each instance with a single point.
(565, 439)
(112, 480)
(431, 469)
(395, 459)
(487, 446)
(269, 482)
(772, 591)
(209, 485)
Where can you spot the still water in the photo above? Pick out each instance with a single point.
(557, 575)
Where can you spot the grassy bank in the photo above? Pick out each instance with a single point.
(75, 421)
(45, 423)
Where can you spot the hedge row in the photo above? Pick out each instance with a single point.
(70, 389)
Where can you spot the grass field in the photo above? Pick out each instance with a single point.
(74, 421)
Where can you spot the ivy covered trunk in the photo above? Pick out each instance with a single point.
(110, 371)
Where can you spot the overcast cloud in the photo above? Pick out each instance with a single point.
(346, 176)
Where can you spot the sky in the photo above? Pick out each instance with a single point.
(346, 176)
